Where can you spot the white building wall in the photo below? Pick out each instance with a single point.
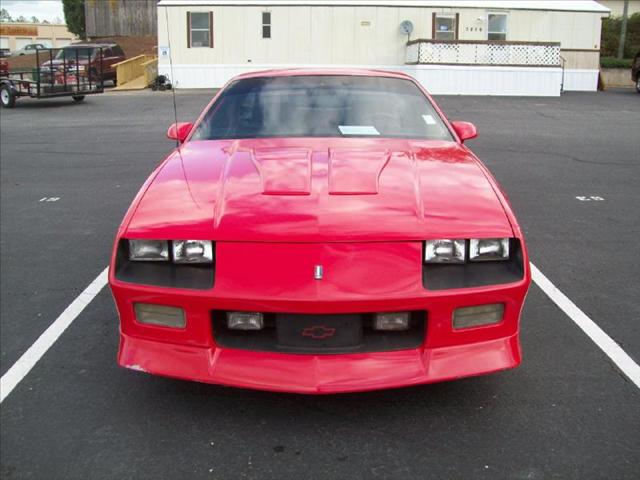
(369, 36)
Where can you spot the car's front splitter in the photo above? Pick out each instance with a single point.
(318, 374)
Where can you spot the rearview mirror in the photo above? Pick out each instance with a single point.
(179, 131)
(465, 130)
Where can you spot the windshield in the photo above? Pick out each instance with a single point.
(70, 53)
(322, 106)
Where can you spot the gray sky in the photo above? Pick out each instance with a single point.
(43, 9)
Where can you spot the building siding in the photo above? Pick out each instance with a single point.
(346, 35)
(325, 36)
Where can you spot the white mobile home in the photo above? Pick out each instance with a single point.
(494, 47)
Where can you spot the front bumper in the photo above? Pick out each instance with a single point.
(317, 374)
(374, 277)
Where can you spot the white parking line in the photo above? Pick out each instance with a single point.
(25, 363)
(607, 344)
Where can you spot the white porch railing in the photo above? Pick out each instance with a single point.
(469, 52)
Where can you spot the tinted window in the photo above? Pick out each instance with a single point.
(117, 50)
(322, 106)
(81, 52)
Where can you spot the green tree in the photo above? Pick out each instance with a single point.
(610, 37)
(74, 17)
(4, 16)
(21, 19)
(34, 19)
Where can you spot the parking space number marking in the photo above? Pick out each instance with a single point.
(592, 198)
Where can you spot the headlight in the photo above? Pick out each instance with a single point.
(487, 249)
(445, 251)
(455, 251)
(192, 251)
(149, 250)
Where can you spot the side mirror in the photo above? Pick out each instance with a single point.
(179, 131)
(465, 130)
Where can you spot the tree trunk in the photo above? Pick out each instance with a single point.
(623, 29)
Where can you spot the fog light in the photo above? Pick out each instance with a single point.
(160, 315)
(244, 321)
(468, 317)
(391, 321)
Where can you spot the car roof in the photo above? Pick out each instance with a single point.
(87, 44)
(297, 72)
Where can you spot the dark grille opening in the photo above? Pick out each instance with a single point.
(319, 334)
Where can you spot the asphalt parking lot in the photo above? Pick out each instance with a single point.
(567, 412)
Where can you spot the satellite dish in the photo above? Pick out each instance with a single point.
(406, 27)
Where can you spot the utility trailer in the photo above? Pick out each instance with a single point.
(58, 72)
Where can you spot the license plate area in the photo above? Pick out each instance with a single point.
(285, 333)
(319, 332)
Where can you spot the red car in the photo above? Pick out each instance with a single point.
(94, 57)
(320, 232)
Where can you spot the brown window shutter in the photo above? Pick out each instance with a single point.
(433, 25)
(210, 29)
(457, 24)
(188, 29)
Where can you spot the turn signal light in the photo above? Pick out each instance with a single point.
(160, 315)
(480, 315)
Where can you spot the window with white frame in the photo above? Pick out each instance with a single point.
(266, 24)
(497, 26)
(200, 32)
(445, 26)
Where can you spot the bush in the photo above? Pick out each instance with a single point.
(613, 62)
(610, 36)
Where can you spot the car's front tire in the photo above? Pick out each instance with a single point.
(7, 97)
(78, 98)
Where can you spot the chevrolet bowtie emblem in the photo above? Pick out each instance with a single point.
(318, 332)
(317, 272)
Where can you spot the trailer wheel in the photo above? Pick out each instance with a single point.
(7, 97)
(78, 98)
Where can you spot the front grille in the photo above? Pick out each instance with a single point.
(320, 334)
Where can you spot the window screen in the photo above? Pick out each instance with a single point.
(199, 29)
(445, 27)
(497, 26)
(266, 24)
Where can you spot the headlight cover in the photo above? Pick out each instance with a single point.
(192, 251)
(149, 250)
(445, 251)
(448, 250)
(488, 249)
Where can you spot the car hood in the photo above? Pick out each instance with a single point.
(59, 62)
(319, 190)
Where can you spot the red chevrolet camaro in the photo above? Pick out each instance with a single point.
(320, 232)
